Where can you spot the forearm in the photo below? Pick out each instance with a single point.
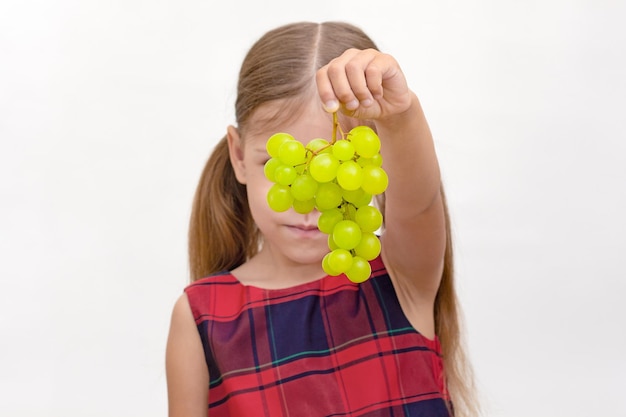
(414, 239)
(410, 160)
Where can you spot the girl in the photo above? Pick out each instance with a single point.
(262, 330)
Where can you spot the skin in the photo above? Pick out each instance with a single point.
(293, 246)
(364, 85)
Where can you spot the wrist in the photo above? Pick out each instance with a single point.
(412, 114)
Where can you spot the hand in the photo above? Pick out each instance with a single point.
(365, 84)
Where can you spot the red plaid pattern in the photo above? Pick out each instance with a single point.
(324, 348)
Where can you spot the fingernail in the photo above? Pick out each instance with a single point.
(351, 105)
(331, 106)
(367, 102)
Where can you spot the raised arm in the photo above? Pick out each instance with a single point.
(414, 237)
(370, 85)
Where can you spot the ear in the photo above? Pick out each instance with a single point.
(235, 151)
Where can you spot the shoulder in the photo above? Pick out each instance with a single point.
(218, 295)
(181, 311)
(216, 278)
(210, 283)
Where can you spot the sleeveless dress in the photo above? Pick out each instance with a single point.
(325, 348)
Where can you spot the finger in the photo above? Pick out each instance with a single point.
(333, 85)
(361, 76)
(365, 72)
(353, 90)
(325, 91)
(374, 80)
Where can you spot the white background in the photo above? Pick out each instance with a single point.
(108, 110)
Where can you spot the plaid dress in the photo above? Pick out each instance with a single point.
(324, 348)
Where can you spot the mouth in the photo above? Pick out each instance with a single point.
(304, 229)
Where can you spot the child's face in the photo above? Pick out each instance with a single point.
(288, 233)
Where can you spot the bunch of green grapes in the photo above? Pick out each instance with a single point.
(338, 178)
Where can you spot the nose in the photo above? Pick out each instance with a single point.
(312, 216)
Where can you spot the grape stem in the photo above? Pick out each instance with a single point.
(336, 128)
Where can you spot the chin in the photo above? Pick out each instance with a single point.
(308, 257)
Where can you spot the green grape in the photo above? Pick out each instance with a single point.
(279, 198)
(319, 145)
(301, 168)
(323, 167)
(285, 174)
(274, 142)
(292, 152)
(328, 196)
(339, 179)
(360, 270)
(365, 140)
(326, 267)
(369, 246)
(365, 200)
(350, 175)
(328, 219)
(376, 160)
(340, 260)
(304, 187)
(357, 197)
(331, 243)
(347, 234)
(343, 150)
(304, 207)
(270, 167)
(375, 180)
(369, 218)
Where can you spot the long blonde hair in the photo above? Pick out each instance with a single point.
(281, 65)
